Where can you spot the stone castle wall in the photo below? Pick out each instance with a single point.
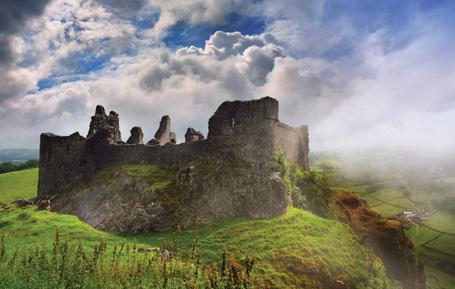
(243, 136)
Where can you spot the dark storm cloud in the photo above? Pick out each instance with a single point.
(13, 16)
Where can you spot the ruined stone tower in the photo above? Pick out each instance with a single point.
(229, 174)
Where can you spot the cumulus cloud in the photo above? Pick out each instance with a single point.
(146, 86)
(224, 44)
(358, 88)
(194, 12)
(406, 100)
(53, 44)
(13, 16)
(257, 52)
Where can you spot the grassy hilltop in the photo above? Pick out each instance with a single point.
(295, 250)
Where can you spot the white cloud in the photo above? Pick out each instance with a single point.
(47, 44)
(194, 12)
(374, 96)
(406, 101)
(224, 44)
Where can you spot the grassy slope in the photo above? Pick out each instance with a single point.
(292, 243)
(290, 248)
(18, 185)
(296, 242)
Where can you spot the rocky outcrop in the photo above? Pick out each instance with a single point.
(137, 137)
(385, 236)
(192, 135)
(141, 198)
(102, 121)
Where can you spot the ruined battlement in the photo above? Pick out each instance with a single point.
(242, 136)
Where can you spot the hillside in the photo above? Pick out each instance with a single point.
(295, 250)
(18, 185)
(398, 183)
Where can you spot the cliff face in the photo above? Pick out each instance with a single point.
(229, 174)
(385, 236)
(143, 198)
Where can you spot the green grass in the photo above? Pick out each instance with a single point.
(442, 221)
(424, 235)
(372, 201)
(159, 178)
(393, 197)
(30, 227)
(445, 243)
(388, 210)
(285, 247)
(439, 266)
(294, 250)
(437, 279)
(18, 185)
(289, 244)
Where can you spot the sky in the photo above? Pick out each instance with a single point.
(362, 74)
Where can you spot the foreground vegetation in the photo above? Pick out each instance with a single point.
(68, 265)
(296, 250)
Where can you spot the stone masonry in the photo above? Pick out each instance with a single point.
(229, 174)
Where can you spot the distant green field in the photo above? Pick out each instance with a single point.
(18, 185)
(445, 243)
(388, 210)
(439, 280)
(394, 197)
(442, 221)
(424, 235)
(372, 201)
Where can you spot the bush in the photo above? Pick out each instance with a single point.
(7, 167)
(308, 189)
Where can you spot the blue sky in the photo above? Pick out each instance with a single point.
(353, 70)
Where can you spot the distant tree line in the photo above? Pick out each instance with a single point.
(7, 167)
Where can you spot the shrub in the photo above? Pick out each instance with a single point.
(308, 189)
(68, 265)
(7, 167)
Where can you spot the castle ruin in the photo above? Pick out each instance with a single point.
(228, 174)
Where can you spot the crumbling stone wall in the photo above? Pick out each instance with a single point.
(102, 121)
(293, 141)
(137, 137)
(62, 162)
(242, 140)
(192, 135)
